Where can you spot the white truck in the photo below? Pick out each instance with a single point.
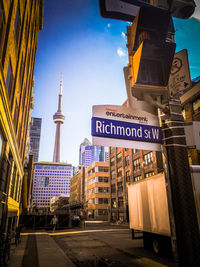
(148, 209)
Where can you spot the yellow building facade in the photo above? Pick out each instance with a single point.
(77, 192)
(98, 190)
(20, 22)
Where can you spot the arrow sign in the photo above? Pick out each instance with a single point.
(179, 79)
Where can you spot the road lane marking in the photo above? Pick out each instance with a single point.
(74, 232)
(149, 262)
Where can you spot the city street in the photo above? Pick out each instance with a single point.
(94, 245)
(101, 245)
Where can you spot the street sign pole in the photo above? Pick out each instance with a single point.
(169, 194)
(183, 217)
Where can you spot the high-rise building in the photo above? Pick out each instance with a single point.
(89, 153)
(50, 179)
(20, 22)
(85, 143)
(58, 119)
(35, 131)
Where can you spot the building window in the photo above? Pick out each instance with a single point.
(183, 113)
(120, 202)
(148, 159)
(90, 191)
(119, 157)
(196, 106)
(17, 24)
(103, 179)
(103, 190)
(119, 171)
(135, 151)
(149, 174)
(128, 177)
(15, 119)
(113, 203)
(112, 175)
(91, 171)
(136, 164)
(119, 187)
(2, 21)
(26, 29)
(112, 149)
(1, 144)
(21, 72)
(103, 169)
(125, 149)
(14, 174)
(112, 161)
(103, 201)
(9, 78)
(113, 188)
(91, 201)
(137, 178)
(16, 188)
(127, 162)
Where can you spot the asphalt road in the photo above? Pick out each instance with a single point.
(107, 245)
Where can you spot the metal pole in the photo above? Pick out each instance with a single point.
(187, 236)
(169, 195)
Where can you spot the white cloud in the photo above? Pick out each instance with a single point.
(108, 25)
(121, 52)
(123, 35)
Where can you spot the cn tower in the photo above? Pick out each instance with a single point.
(58, 119)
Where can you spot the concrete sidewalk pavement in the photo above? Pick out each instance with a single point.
(47, 253)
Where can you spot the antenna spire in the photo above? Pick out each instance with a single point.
(61, 84)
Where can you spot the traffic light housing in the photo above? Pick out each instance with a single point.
(150, 56)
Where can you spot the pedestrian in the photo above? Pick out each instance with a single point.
(17, 234)
(54, 221)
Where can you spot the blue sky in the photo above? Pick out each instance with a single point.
(91, 52)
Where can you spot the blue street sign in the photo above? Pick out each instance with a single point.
(125, 130)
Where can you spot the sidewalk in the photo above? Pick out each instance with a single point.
(47, 252)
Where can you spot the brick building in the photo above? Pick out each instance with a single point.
(190, 101)
(127, 166)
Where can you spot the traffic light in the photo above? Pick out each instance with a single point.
(127, 9)
(150, 56)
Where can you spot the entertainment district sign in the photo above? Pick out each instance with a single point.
(121, 126)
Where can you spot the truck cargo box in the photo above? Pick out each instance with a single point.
(195, 174)
(148, 207)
